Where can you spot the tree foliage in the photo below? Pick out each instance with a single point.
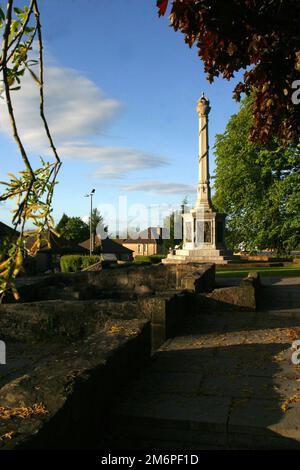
(97, 223)
(258, 187)
(75, 263)
(261, 37)
(173, 225)
(73, 228)
(64, 219)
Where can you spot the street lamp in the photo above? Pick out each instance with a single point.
(91, 232)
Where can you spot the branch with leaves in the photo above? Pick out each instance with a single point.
(261, 38)
(31, 189)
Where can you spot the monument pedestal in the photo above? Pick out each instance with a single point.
(204, 239)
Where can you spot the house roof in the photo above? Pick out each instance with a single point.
(59, 245)
(149, 235)
(133, 241)
(6, 231)
(108, 246)
(154, 233)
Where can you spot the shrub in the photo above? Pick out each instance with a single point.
(75, 263)
(89, 260)
(97, 250)
(142, 259)
(155, 259)
(152, 259)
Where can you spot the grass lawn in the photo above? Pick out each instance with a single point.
(281, 271)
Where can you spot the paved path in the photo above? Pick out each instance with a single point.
(227, 383)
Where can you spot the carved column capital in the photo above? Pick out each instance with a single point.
(203, 106)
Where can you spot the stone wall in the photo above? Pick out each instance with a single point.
(245, 296)
(195, 277)
(168, 314)
(76, 385)
(237, 297)
(118, 282)
(63, 321)
(60, 319)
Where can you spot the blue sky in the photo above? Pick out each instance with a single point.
(121, 93)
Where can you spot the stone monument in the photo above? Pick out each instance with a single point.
(203, 227)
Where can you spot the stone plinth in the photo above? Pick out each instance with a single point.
(204, 239)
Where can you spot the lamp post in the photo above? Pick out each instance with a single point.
(91, 231)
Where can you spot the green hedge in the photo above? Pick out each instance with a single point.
(157, 258)
(74, 263)
(142, 260)
(153, 259)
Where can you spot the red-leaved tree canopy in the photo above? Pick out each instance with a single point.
(260, 36)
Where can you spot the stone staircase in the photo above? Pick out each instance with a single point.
(221, 256)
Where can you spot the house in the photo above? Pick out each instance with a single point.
(7, 232)
(149, 242)
(48, 257)
(110, 250)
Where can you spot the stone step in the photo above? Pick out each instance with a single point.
(199, 259)
(199, 422)
(203, 252)
(186, 422)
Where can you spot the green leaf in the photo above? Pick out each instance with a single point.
(18, 11)
(28, 29)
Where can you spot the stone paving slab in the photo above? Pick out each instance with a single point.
(259, 417)
(197, 413)
(231, 374)
(154, 383)
(157, 436)
(236, 386)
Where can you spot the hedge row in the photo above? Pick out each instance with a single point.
(74, 263)
(153, 259)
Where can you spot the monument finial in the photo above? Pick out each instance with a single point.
(203, 107)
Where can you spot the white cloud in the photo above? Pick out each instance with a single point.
(116, 161)
(161, 187)
(75, 108)
(77, 111)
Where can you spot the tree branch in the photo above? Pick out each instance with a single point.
(7, 90)
(41, 80)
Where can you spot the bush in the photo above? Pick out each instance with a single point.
(152, 259)
(89, 260)
(75, 263)
(142, 259)
(97, 250)
(155, 259)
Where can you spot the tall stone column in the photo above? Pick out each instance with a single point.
(203, 227)
(203, 188)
